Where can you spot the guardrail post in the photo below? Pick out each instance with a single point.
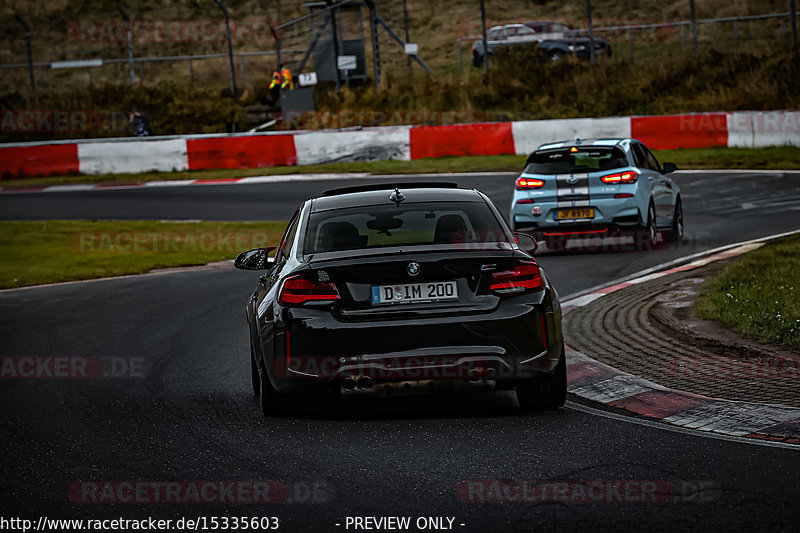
(28, 47)
(405, 23)
(335, 41)
(230, 44)
(277, 46)
(630, 42)
(793, 14)
(591, 31)
(485, 41)
(127, 20)
(376, 55)
(694, 25)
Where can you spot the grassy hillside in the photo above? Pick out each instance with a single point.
(434, 24)
(755, 72)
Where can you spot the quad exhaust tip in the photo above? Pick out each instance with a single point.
(349, 384)
(475, 375)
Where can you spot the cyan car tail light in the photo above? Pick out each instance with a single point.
(529, 183)
(629, 176)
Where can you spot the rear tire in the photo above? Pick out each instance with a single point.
(254, 374)
(546, 391)
(676, 233)
(266, 395)
(646, 238)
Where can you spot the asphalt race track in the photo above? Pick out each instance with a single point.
(180, 408)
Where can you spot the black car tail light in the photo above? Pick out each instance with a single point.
(299, 290)
(524, 278)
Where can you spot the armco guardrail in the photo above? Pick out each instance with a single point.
(109, 156)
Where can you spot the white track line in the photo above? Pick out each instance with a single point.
(675, 262)
(677, 429)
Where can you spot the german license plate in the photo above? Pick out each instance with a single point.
(414, 292)
(570, 214)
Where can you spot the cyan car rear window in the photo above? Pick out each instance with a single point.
(575, 159)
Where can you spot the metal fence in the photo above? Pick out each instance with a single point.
(311, 42)
(139, 63)
(630, 33)
(375, 34)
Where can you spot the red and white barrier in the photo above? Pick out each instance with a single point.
(755, 129)
(371, 144)
(116, 157)
(252, 151)
(531, 134)
(38, 160)
(495, 138)
(111, 156)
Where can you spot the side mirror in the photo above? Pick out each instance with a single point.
(526, 242)
(255, 259)
(670, 167)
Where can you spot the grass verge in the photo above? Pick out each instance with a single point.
(37, 252)
(777, 157)
(769, 158)
(759, 294)
(498, 163)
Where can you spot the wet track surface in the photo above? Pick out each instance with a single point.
(187, 413)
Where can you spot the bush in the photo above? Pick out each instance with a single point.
(519, 86)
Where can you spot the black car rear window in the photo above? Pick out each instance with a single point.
(587, 159)
(406, 224)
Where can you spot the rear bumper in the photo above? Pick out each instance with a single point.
(611, 216)
(518, 340)
(583, 231)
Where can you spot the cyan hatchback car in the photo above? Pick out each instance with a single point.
(596, 188)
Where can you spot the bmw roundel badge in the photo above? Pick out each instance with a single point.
(413, 269)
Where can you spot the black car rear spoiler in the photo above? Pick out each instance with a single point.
(391, 186)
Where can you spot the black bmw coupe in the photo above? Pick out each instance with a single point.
(405, 289)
